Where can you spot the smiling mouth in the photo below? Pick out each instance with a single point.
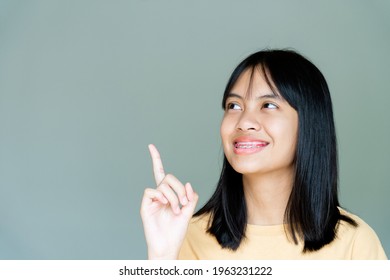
(249, 145)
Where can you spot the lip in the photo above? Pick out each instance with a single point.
(248, 145)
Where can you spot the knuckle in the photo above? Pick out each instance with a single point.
(147, 191)
(162, 186)
(169, 176)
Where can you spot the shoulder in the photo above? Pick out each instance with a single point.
(362, 239)
(362, 228)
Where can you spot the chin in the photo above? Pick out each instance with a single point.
(246, 168)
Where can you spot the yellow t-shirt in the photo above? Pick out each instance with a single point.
(271, 242)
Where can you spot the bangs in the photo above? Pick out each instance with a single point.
(253, 69)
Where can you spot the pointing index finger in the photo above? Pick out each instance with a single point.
(158, 169)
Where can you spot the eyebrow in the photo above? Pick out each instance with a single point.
(265, 96)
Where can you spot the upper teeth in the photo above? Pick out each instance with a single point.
(247, 145)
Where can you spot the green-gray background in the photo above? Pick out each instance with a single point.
(86, 85)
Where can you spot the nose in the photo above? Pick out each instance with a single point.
(248, 121)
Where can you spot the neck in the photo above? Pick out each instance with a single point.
(267, 196)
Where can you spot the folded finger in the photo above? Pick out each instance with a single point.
(171, 196)
(151, 195)
(177, 186)
(189, 209)
(189, 192)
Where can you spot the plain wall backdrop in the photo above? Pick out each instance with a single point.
(85, 86)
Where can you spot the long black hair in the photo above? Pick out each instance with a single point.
(312, 213)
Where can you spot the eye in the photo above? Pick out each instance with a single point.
(233, 106)
(268, 105)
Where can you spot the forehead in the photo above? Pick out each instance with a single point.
(254, 82)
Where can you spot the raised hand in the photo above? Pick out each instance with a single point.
(166, 211)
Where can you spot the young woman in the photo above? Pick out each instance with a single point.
(277, 194)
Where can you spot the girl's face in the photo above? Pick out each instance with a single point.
(259, 128)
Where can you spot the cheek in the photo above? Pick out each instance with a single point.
(285, 131)
(225, 127)
(289, 132)
(226, 130)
